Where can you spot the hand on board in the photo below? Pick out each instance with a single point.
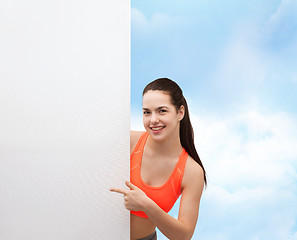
(134, 197)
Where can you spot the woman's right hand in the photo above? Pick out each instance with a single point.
(135, 199)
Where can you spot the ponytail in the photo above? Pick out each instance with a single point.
(186, 135)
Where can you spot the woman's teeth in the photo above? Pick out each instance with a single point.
(157, 128)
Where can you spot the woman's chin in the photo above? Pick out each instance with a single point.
(158, 136)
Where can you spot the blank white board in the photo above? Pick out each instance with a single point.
(64, 119)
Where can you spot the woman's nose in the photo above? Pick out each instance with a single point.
(154, 119)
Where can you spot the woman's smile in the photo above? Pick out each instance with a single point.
(157, 129)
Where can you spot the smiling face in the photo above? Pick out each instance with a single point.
(160, 117)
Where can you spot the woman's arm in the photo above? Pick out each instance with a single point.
(183, 227)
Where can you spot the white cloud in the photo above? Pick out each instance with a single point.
(286, 9)
(159, 22)
(241, 68)
(260, 53)
(255, 146)
(250, 161)
(280, 30)
(293, 237)
(138, 19)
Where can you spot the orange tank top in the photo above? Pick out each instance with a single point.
(164, 196)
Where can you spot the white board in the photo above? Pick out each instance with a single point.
(64, 119)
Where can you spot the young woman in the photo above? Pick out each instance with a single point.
(163, 164)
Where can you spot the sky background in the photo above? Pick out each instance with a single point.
(236, 62)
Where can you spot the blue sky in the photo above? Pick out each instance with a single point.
(236, 63)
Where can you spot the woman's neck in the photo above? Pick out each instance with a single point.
(170, 146)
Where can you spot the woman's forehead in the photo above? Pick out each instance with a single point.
(156, 98)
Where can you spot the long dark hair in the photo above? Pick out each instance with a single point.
(186, 132)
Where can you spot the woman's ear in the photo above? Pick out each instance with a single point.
(181, 112)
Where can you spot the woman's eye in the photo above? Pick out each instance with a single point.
(146, 112)
(162, 111)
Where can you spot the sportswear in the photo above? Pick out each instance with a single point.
(164, 196)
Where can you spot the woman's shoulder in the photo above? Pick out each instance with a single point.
(193, 174)
(134, 137)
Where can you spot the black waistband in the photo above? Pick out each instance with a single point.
(152, 236)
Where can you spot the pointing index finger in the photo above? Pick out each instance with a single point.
(118, 190)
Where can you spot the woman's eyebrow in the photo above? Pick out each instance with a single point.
(156, 108)
(162, 107)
